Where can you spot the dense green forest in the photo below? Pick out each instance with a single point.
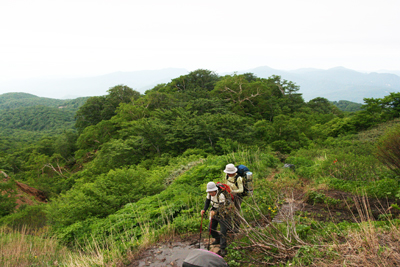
(126, 168)
(25, 119)
(36, 118)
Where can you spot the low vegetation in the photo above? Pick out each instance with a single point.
(134, 170)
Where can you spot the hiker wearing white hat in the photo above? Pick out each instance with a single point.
(235, 182)
(216, 200)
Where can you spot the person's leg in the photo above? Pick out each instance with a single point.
(238, 205)
(223, 236)
(213, 228)
(223, 242)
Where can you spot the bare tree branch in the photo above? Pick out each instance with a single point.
(59, 171)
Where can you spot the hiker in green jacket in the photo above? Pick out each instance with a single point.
(235, 182)
(217, 201)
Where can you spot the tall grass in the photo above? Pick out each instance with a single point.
(368, 244)
(23, 248)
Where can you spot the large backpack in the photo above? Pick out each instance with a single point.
(227, 209)
(247, 177)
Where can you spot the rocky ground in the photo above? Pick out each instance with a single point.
(171, 253)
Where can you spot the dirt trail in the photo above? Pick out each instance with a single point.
(170, 253)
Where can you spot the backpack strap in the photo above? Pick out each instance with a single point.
(236, 178)
(218, 194)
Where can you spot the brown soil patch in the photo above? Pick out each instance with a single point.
(26, 194)
(29, 195)
(349, 208)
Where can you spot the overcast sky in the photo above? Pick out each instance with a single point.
(90, 37)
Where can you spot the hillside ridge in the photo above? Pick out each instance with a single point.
(333, 83)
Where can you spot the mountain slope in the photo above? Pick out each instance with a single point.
(18, 100)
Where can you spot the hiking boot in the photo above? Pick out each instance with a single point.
(216, 242)
(222, 252)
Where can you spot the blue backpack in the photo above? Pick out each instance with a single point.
(247, 176)
(242, 170)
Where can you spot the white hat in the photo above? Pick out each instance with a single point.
(230, 168)
(211, 187)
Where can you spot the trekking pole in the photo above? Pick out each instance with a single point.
(201, 228)
(209, 234)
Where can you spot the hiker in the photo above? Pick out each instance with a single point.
(217, 201)
(235, 182)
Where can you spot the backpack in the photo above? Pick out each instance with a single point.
(225, 190)
(247, 177)
(226, 210)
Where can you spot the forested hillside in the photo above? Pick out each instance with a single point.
(17, 100)
(25, 119)
(134, 168)
(347, 106)
(36, 118)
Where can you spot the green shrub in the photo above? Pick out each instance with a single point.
(300, 162)
(345, 185)
(314, 197)
(383, 188)
(8, 191)
(105, 195)
(349, 166)
(388, 149)
(177, 208)
(32, 217)
(187, 223)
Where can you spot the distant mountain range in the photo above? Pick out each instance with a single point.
(68, 88)
(10, 101)
(337, 83)
(334, 84)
